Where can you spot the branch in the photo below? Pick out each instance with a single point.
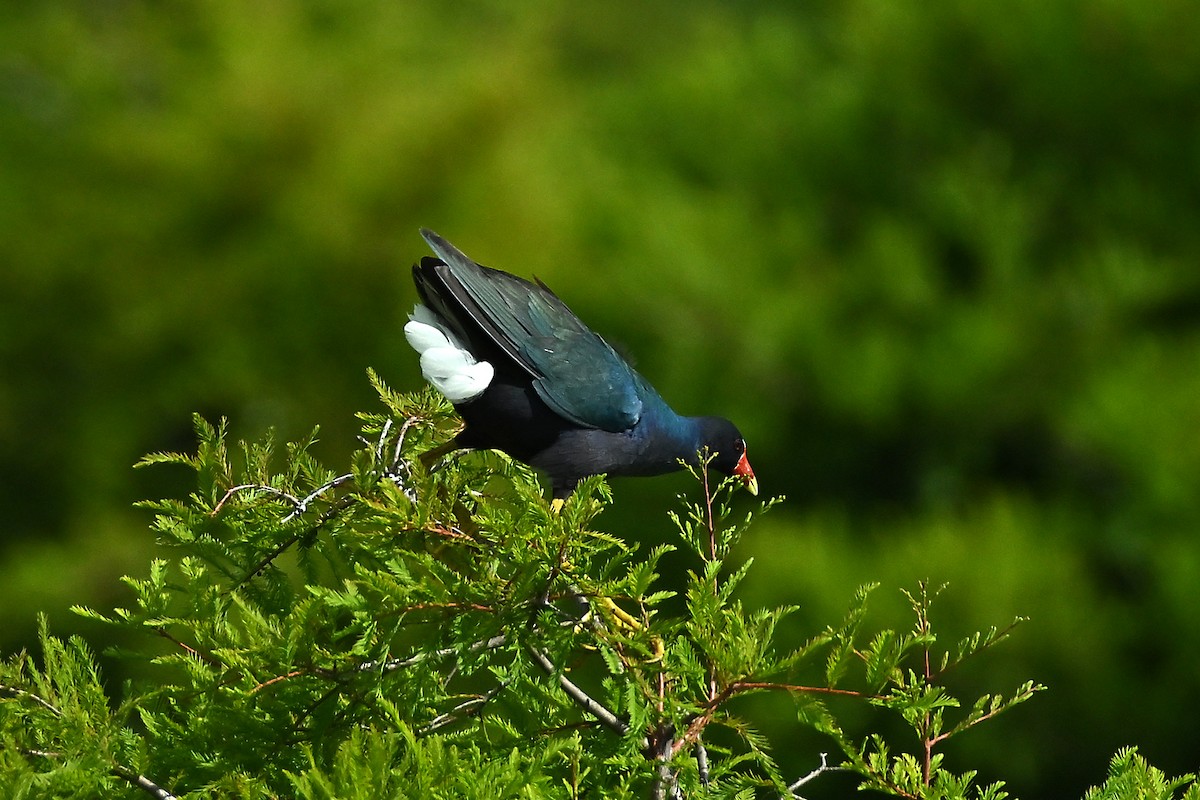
(582, 698)
(468, 708)
(397, 469)
(742, 686)
(393, 470)
(262, 487)
(816, 773)
(145, 784)
(499, 640)
(391, 666)
(665, 784)
(709, 521)
(40, 753)
(300, 505)
(205, 657)
(387, 427)
(971, 723)
(18, 692)
(696, 727)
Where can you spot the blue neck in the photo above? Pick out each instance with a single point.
(669, 436)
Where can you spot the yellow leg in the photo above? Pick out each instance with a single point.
(623, 617)
(619, 615)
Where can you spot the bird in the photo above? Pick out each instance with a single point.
(529, 378)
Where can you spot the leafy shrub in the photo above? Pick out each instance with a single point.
(420, 630)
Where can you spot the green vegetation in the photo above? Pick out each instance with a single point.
(937, 260)
(398, 632)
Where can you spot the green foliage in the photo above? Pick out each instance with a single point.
(57, 713)
(1129, 776)
(411, 629)
(936, 259)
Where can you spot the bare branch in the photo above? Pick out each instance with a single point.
(665, 784)
(18, 692)
(816, 773)
(299, 505)
(582, 698)
(302, 505)
(387, 427)
(260, 487)
(40, 753)
(469, 708)
(408, 423)
(145, 784)
(391, 666)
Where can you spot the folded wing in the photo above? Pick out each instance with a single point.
(574, 371)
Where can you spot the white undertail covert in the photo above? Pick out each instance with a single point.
(445, 362)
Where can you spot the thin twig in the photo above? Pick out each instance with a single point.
(499, 640)
(274, 554)
(302, 506)
(145, 784)
(408, 423)
(396, 470)
(40, 753)
(821, 770)
(469, 708)
(696, 727)
(31, 696)
(387, 426)
(923, 630)
(581, 698)
(709, 520)
(278, 679)
(205, 657)
(742, 686)
(313, 706)
(942, 737)
(261, 487)
(397, 664)
(291, 540)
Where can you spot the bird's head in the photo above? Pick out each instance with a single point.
(724, 440)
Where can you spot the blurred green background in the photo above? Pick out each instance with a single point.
(938, 260)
